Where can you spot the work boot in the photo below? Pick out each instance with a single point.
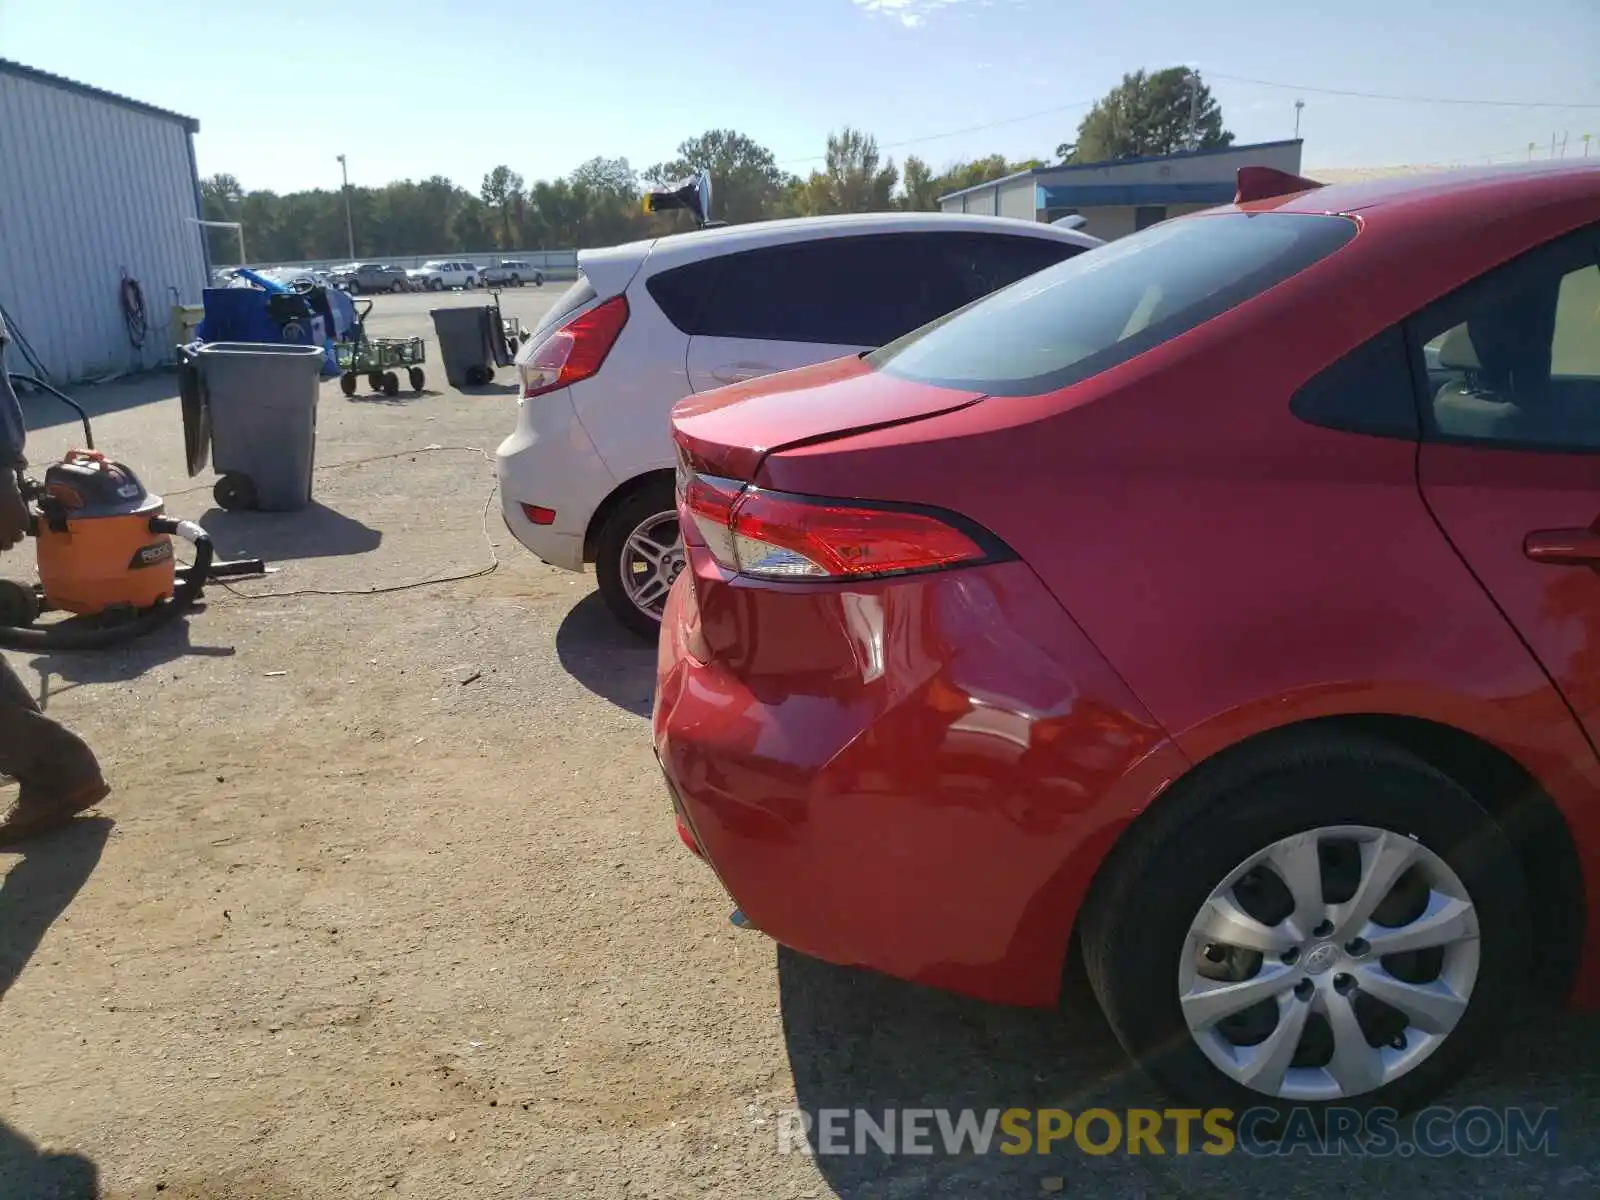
(34, 813)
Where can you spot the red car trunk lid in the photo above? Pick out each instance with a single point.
(728, 432)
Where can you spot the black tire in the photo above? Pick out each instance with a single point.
(391, 384)
(436, 285)
(416, 378)
(19, 604)
(235, 492)
(516, 281)
(354, 288)
(478, 376)
(1138, 917)
(397, 286)
(347, 384)
(650, 500)
(538, 281)
(375, 381)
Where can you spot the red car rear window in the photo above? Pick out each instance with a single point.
(1078, 318)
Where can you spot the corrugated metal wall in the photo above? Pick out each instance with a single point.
(1019, 199)
(90, 189)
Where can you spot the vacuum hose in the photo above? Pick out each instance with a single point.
(67, 637)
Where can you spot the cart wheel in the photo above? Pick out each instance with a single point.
(347, 384)
(235, 491)
(375, 381)
(417, 378)
(391, 384)
(19, 603)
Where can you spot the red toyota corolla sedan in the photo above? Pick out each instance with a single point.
(1225, 600)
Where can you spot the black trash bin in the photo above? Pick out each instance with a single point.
(466, 344)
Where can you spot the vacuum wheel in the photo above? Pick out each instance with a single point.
(375, 381)
(19, 604)
(417, 378)
(235, 492)
(391, 384)
(347, 384)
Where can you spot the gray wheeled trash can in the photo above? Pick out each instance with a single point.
(465, 345)
(262, 402)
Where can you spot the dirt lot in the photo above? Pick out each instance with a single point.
(388, 902)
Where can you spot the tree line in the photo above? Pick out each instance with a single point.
(599, 203)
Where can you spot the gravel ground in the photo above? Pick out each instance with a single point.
(388, 902)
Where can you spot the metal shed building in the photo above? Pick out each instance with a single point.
(99, 199)
(1123, 196)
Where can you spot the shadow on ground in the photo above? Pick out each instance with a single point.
(36, 891)
(397, 400)
(491, 389)
(860, 1041)
(44, 411)
(603, 656)
(62, 670)
(27, 1170)
(313, 532)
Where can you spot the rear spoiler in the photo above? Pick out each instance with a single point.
(1265, 183)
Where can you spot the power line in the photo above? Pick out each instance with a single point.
(1290, 87)
(1295, 87)
(934, 137)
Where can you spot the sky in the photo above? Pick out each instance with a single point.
(413, 88)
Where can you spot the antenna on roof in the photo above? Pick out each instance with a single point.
(1264, 183)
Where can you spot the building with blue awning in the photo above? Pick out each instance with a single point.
(1120, 197)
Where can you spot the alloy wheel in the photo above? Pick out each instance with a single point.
(1330, 963)
(652, 558)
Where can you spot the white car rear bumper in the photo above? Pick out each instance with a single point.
(549, 462)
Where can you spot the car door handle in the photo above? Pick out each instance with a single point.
(1563, 547)
(739, 372)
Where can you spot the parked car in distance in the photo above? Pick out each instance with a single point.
(587, 475)
(1174, 606)
(371, 277)
(511, 272)
(438, 275)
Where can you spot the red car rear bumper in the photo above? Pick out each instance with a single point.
(920, 777)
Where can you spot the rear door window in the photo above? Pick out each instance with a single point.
(681, 293)
(850, 291)
(1078, 318)
(1514, 357)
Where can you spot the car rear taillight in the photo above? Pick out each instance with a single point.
(576, 350)
(776, 535)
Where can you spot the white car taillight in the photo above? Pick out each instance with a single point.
(576, 350)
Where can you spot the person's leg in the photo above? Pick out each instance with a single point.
(58, 773)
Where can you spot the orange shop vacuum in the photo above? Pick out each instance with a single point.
(105, 554)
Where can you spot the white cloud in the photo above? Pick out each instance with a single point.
(910, 13)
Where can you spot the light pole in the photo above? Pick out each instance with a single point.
(1299, 106)
(349, 226)
(1193, 80)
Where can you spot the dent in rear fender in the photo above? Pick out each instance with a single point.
(918, 775)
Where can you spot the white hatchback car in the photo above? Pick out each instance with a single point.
(437, 275)
(588, 476)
